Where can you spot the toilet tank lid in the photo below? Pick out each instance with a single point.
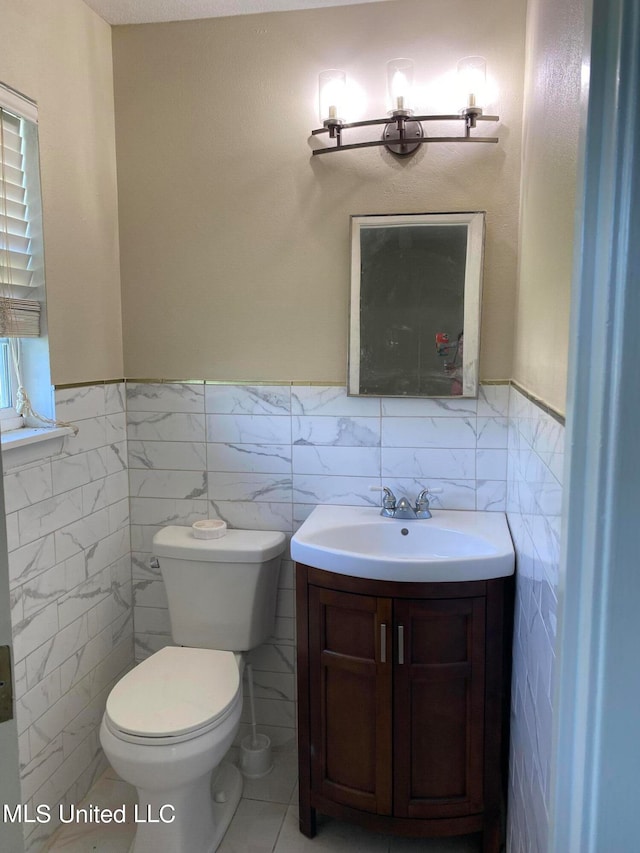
(236, 546)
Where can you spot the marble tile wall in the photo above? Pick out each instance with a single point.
(534, 497)
(263, 456)
(71, 596)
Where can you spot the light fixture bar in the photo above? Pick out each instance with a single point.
(391, 120)
(378, 142)
(469, 117)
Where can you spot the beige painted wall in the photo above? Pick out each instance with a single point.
(59, 53)
(553, 90)
(234, 241)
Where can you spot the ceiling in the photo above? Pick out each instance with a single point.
(152, 11)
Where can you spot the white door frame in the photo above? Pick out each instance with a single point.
(596, 796)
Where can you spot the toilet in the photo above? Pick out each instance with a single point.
(170, 721)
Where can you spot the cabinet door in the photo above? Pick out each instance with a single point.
(350, 698)
(439, 707)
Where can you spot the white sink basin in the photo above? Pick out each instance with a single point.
(453, 545)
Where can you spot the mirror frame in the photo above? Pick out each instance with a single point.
(475, 222)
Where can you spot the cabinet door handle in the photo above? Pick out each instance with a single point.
(383, 642)
(400, 643)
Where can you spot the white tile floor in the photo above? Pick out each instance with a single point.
(266, 822)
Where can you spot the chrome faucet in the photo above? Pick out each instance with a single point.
(392, 508)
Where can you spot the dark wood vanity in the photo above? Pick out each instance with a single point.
(402, 703)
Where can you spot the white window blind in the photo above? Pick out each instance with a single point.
(19, 316)
(15, 257)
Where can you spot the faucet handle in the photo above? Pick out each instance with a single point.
(423, 501)
(388, 500)
(427, 493)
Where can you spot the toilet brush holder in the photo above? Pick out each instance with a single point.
(255, 756)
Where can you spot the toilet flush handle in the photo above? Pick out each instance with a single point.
(153, 563)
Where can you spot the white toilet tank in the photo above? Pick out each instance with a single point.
(221, 592)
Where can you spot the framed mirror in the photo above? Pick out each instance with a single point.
(416, 287)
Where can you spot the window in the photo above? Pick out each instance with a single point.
(24, 356)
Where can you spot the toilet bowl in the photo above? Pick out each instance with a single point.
(169, 722)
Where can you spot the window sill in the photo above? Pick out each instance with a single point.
(21, 446)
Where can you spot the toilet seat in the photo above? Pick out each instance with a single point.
(176, 694)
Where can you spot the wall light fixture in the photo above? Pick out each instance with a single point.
(403, 132)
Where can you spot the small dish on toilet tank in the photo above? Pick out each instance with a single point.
(210, 528)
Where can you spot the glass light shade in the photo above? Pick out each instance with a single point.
(400, 84)
(472, 81)
(331, 94)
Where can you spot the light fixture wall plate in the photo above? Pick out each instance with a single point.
(406, 141)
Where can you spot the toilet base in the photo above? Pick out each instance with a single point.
(204, 823)
(226, 779)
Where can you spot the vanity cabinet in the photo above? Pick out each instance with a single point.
(402, 693)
